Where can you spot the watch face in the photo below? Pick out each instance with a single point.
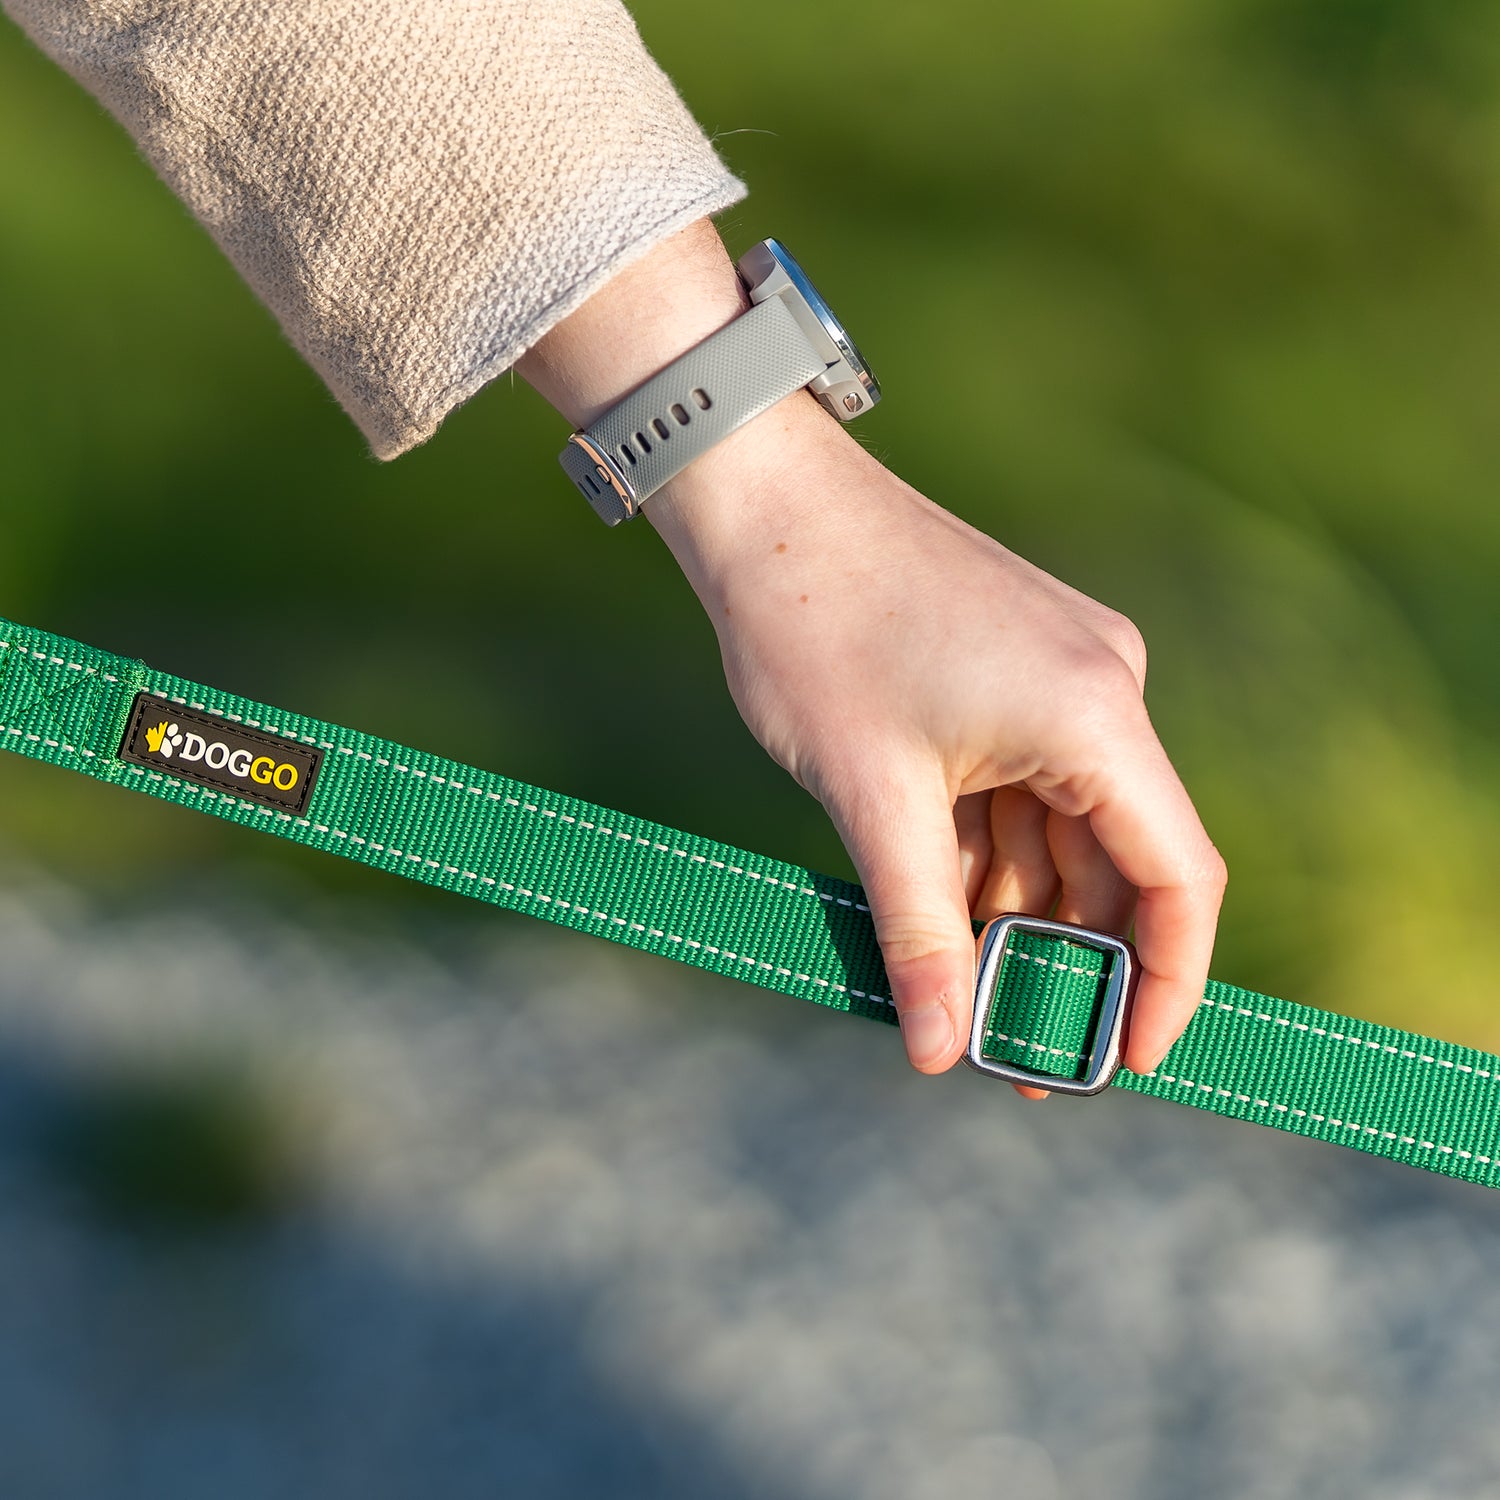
(825, 315)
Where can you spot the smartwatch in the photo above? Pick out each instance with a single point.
(788, 339)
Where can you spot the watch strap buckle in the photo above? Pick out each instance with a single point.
(600, 480)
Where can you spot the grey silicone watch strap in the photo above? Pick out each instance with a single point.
(698, 400)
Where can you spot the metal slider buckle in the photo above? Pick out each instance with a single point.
(1105, 1034)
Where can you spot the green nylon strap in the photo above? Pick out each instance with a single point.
(1428, 1103)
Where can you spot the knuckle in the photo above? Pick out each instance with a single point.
(1110, 706)
(906, 943)
(1215, 872)
(1101, 664)
(1124, 638)
(1207, 874)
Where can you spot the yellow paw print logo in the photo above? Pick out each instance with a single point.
(163, 738)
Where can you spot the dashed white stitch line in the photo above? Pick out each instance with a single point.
(1052, 963)
(607, 832)
(58, 661)
(1372, 1044)
(385, 763)
(1354, 1125)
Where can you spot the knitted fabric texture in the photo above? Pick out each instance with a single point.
(418, 189)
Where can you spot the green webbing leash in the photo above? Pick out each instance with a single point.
(1428, 1103)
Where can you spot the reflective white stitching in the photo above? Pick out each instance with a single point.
(1354, 1125)
(58, 661)
(1371, 1043)
(538, 896)
(1052, 963)
(530, 807)
(1016, 1041)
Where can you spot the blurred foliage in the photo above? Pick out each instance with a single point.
(182, 1150)
(1193, 302)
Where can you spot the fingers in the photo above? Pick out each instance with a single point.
(1023, 875)
(1146, 824)
(976, 848)
(901, 837)
(1089, 854)
(1094, 893)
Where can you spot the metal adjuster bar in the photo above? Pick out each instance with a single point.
(1107, 1031)
(601, 481)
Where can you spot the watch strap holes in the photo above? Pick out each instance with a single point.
(642, 442)
(700, 398)
(661, 427)
(679, 414)
(627, 453)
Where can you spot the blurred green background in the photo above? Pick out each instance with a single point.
(1229, 271)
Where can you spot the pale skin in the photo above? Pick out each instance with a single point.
(975, 728)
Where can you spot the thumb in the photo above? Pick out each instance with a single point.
(901, 836)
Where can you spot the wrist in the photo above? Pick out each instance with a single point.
(763, 474)
(770, 479)
(677, 295)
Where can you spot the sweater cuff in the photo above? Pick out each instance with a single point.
(418, 189)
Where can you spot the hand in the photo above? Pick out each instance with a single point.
(975, 728)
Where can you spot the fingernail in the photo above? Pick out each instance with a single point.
(928, 1034)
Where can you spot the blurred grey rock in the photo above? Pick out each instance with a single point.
(573, 1223)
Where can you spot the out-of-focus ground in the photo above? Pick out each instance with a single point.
(533, 1218)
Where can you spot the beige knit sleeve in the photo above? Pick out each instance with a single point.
(419, 189)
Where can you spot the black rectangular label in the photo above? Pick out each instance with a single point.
(217, 752)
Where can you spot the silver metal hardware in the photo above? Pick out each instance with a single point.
(603, 483)
(1108, 1030)
(847, 386)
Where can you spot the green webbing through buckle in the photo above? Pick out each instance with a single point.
(1054, 994)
